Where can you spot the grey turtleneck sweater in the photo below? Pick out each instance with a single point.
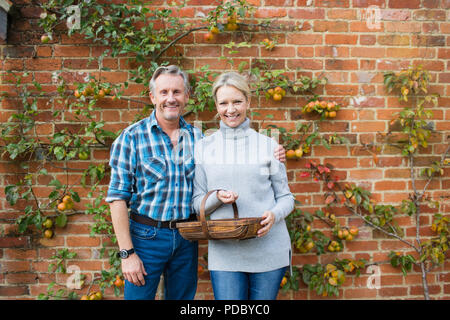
(241, 160)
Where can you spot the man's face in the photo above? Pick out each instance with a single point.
(169, 97)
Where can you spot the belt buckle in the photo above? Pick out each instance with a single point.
(170, 224)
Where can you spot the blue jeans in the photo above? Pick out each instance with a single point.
(229, 285)
(163, 251)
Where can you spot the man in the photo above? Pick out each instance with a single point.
(152, 170)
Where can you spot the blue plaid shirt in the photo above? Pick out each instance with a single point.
(154, 178)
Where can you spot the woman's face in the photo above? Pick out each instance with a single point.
(231, 105)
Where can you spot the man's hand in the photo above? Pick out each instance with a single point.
(227, 196)
(133, 270)
(280, 154)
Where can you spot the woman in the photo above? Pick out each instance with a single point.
(239, 162)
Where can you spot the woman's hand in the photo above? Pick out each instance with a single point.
(227, 196)
(267, 222)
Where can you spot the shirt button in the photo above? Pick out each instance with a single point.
(176, 184)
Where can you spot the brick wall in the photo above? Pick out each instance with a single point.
(337, 39)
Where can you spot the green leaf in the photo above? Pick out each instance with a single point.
(59, 152)
(55, 183)
(12, 194)
(75, 196)
(61, 220)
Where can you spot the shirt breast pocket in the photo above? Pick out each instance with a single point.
(189, 166)
(154, 168)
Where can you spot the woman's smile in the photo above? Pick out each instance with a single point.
(231, 106)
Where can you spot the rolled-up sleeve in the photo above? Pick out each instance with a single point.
(123, 167)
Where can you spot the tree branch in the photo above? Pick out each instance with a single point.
(181, 36)
(381, 229)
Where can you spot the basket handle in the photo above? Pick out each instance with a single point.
(203, 215)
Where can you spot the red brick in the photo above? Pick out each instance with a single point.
(393, 292)
(341, 39)
(401, 26)
(304, 187)
(344, 14)
(320, 151)
(332, 3)
(305, 52)
(279, 3)
(47, 64)
(21, 278)
(305, 64)
(368, 126)
(10, 242)
(368, 52)
(264, 13)
(71, 51)
(335, 64)
(83, 241)
(333, 26)
(359, 26)
(366, 174)
(279, 52)
(393, 40)
(332, 51)
(395, 197)
(368, 3)
(361, 245)
(16, 266)
(13, 291)
(310, 13)
(204, 51)
(428, 41)
(431, 3)
(432, 290)
(389, 280)
(431, 15)
(410, 4)
(341, 90)
(342, 163)
(397, 173)
(20, 253)
(304, 39)
(367, 39)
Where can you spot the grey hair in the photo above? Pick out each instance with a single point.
(232, 79)
(173, 70)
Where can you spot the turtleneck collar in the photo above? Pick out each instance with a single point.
(240, 131)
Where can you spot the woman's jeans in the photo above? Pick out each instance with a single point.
(229, 285)
(163, 251)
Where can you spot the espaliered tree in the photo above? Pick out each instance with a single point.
(409, 132)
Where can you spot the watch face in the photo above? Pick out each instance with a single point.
(123, 254)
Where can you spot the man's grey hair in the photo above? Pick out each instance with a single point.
(174, 70)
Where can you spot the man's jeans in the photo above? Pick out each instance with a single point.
(230, 285)
(164, 251)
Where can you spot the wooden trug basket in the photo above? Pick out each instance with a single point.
(237, 228)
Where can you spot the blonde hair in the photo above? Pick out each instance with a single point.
(232, 79)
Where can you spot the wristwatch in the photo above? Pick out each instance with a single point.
(125, 253)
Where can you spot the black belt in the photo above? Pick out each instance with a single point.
(172, 224)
